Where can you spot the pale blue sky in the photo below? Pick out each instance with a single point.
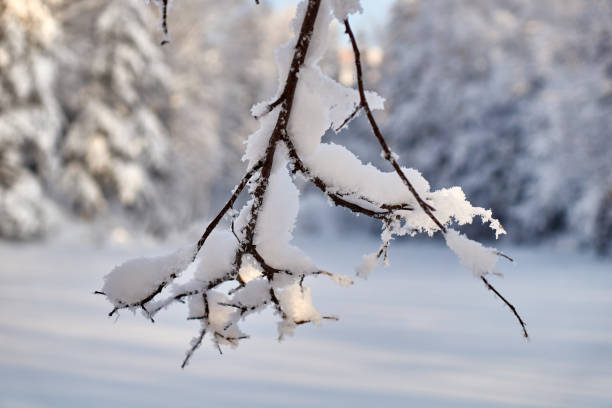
(374, 14)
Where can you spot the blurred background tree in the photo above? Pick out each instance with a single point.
(30, 117)
(514, 92)
(116, 148)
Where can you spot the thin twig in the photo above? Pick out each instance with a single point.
(165, 22)
(228, 205)
(198, 340)
(350, 117)
(512, 308)
(194, 347)
(272, 105)
(499, 253)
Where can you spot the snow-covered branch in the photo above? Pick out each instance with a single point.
(392, 159)
(255, 252)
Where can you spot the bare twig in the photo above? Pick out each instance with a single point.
(198, 340)
(272, 105)
(499, 253)
(194, 347)
(164, 10)
(512, 308)
(228, 205)
(350, 117)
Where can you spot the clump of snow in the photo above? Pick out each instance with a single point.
(369, 262)
(258, 141)
(320, 34)
(136, 279)
(196, 306)
(218, 314)
(255, 293)
(473, 255)
(340, 168)
(451, 203)
(276, 223)
(342, 280)
(342, 8)
(248, 272)
(309, 119)
(216, 256)
(296, 302)
(280, 208)
(337, 100)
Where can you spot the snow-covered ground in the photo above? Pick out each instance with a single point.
(422, 331)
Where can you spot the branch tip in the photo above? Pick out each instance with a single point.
(510, 305)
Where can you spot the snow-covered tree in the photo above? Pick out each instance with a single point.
(513, 93)
(116, 150)
(252, 264)
(220, 64)
(30, 117)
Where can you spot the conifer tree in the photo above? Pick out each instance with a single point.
(30, 117)
(116, 151)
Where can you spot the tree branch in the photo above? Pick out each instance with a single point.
(196, 342)
(350, 117)
(512, 308)
(280, 129)
(388, 154)
(391, 214)
(164, 21)
(390, 157)
(386, 210)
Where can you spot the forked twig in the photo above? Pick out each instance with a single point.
(389, 156)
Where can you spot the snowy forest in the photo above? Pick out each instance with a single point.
(99, 124)
(186, 183)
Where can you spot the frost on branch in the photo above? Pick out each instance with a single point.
(255, 254)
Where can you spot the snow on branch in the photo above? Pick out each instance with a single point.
(255, 252)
